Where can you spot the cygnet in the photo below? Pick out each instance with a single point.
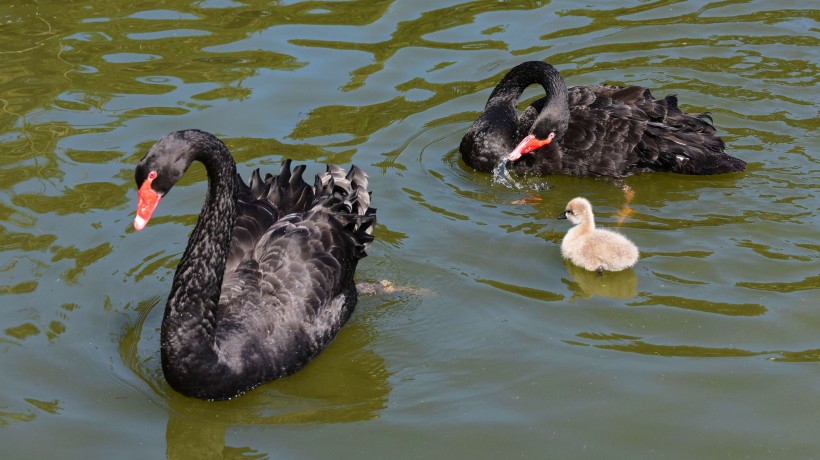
(591, 248)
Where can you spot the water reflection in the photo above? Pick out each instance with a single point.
(633, 344)
(202, 440)
(33, 324)
(708, 306)
(730, 270)
(8, 417)
(348, 382)
(630, 344)
(532, 293)
(806, 284)
(586, 284)
(416, 31)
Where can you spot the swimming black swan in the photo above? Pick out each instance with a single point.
(590, 131)
(594, 249)
(266, 281)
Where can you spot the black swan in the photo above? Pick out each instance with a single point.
(594, 249)
(266, 280)
(590, 131)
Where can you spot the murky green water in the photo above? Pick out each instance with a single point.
(709, 348)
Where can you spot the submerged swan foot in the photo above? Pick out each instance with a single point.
(625, 210)
(388, 287)
(529, 199)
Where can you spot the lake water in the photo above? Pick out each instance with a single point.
(492, 347)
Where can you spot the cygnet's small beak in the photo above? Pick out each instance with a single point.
(563, 215)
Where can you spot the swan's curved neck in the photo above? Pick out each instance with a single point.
(529, 73)
(190, 314)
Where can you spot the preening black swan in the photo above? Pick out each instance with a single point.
(590, 131)
(266, 281)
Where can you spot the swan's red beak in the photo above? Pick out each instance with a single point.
(147, 201)
(527, 145)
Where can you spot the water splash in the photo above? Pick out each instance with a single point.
(502, 176)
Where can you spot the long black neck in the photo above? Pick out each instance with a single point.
(190, 315)
(520, 77)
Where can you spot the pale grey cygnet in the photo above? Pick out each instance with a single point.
(594, 249)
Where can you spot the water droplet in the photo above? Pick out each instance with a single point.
(502, 176)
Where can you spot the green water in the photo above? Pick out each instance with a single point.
(709, 348)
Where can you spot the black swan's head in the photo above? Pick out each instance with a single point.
(550, 126)
(163, 165)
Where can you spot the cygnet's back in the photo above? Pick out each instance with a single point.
(591, 248)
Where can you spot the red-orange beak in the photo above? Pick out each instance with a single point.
(147, 201)
(527, 145)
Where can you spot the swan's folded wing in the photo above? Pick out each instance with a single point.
(598, 128)
(684, 143)
(253, 219)
(297, 289)
(291, 288)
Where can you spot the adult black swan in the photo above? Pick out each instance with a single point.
(266, 281)
(590, 131)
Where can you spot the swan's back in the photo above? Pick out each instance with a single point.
(288, 286)
(617, 131)
(262, 203)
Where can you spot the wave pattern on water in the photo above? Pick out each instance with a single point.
(498, 332)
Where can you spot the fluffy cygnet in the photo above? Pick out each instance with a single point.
(591, 248)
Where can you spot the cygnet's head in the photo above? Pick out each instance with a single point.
(578, 210)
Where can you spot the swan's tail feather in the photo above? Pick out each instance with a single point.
(335, 192)
(256, 187)
(288, 191)
(344, 194)
(683, 143)
(360, 227)
(361, 196)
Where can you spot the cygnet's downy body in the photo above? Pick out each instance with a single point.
(591, 248)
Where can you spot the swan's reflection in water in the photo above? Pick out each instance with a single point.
(347, 382)
(585, 284)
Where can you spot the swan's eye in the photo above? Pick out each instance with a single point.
(568, 211)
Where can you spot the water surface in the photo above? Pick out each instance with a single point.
(495, 348)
